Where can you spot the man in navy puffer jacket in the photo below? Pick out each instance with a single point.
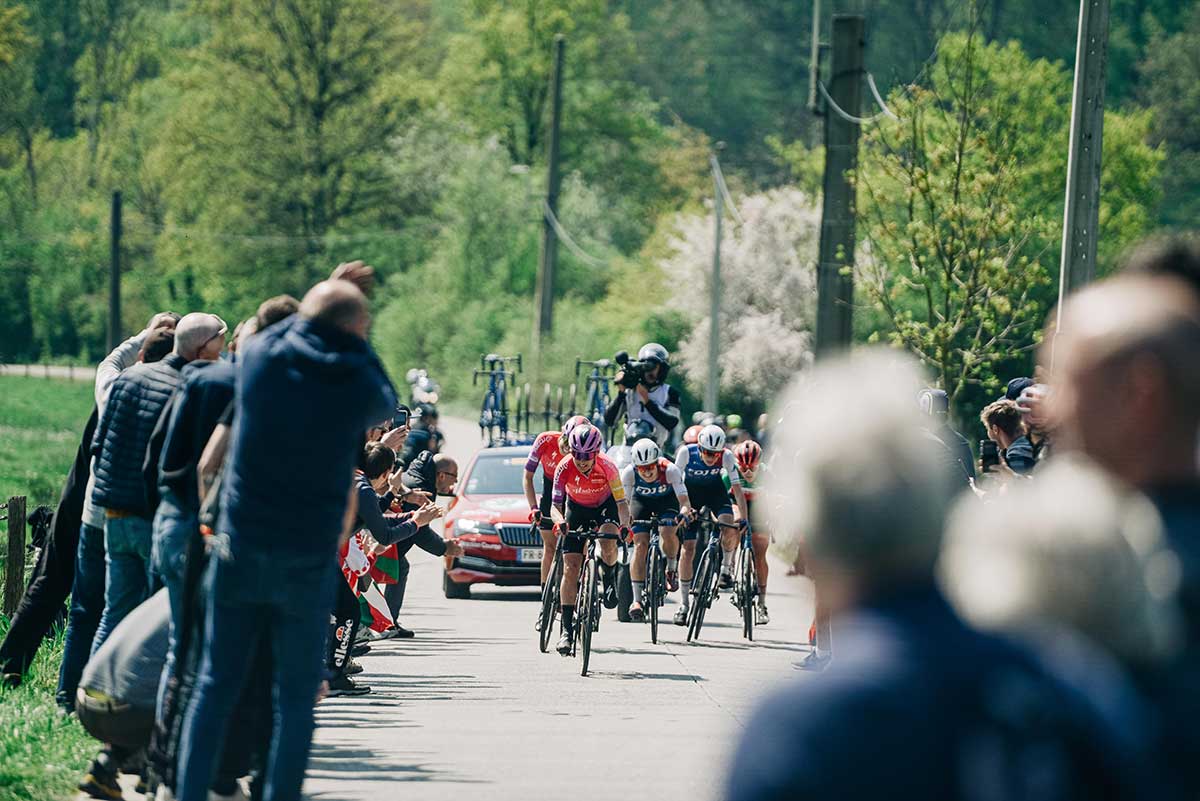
(120, 446)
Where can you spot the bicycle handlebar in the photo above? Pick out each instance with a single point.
(602, 365)
(489, 361)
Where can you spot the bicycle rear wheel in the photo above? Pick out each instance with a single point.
(550, 603)
(590, 597)
(700, 602)
(653, 592)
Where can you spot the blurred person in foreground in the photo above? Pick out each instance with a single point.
(916, 705)
(1086, 578)
(1126, 392)
(308, 389)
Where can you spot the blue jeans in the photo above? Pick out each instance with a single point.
(87, 603)
(127, 571)
(257, 596)
(174, 526)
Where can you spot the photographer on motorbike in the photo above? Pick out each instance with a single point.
(647, 396)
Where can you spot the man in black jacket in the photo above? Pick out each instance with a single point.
(120, 447)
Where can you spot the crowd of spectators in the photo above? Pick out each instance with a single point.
(204, 537)
(1028, 630)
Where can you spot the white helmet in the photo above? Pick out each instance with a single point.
(712, 438)
(645, 452)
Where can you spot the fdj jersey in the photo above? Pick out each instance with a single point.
(700, 476)
(668, 483)
(593, 489)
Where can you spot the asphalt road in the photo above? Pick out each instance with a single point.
(472, 706)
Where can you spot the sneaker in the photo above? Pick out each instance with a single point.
(365, 635)
(401, 632)
(761, 616)
(636, 614)
(610, 595)
(680, 618)
(345, 687)
(815, 661)
(564, 643)
(99, 784)
(672, 580)
(726, 580)
(353, 668)
(360, 650)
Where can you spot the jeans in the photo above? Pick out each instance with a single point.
(174, 526)
(259, 596)
(87, 604)
(127, 571)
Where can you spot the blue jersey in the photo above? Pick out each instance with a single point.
(699, 476)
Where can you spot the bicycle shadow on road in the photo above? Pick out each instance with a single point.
(637, 674)
(747, 646)
(338, 763)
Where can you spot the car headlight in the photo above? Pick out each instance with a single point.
(466, 525)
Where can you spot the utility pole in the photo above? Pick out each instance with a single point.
(714, 328)
(544, 293)
(1081, 216)
(835, 281)
(814, 58)
(114, 274)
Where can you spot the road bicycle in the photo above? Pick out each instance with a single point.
(588, 602)
(745, 582)
(493, 413)
(654, 592)
(708, 573)
(597, 385)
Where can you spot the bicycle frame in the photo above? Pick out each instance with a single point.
(493, 414)
(598, 395)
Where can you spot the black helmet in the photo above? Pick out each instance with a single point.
(656, 353)
(638, 429)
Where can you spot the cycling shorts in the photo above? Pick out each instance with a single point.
(581, 517)
(544, 503)
(664, 508)
(718, 501)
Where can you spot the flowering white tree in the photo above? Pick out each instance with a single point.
(769, 289)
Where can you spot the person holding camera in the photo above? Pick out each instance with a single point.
(647, 396)
(1002, 421)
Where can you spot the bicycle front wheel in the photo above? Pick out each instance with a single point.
(550, 603)
(653, 592)
(700, 602)
(748, 588)
(591, 599)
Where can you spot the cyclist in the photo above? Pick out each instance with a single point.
(652, 399)
(654, 487)
(692, 435)
(548, 450)
(748, 456)
(587, 490)
(701, 465)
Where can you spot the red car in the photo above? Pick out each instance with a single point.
(490, 517)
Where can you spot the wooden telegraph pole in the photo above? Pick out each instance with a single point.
(114, 274)
(835, 282)
(544, 293)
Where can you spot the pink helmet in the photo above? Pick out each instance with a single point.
(585, 441)
(572, 422)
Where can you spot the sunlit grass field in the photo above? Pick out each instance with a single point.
(42, 755)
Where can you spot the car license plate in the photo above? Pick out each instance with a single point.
(529, 555)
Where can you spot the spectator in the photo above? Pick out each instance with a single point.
(652, 400)
(857, 475)
(1126, 393)
(279, 527)
(423, 436)
(1177, 256)
(120, 447)
(960, 462)
(54, 574)
(1015, 387)
(1032, 403)
(1087, 554)
(434, 474)
(1002, 421)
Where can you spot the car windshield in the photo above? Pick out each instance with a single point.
(496, 474)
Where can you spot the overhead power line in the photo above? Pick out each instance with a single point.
(567, 240)
(724, 188)
(843, 113)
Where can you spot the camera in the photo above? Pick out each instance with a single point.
(400, 416)
(635, 371)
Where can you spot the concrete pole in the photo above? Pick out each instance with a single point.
(114, 274)
(544, 293)
(714, 329)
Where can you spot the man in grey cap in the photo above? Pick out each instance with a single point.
(121, 448)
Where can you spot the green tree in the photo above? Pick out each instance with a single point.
(961, 204)
(1172, 89)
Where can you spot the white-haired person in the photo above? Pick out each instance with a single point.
(1086, 578)
(917, 704)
